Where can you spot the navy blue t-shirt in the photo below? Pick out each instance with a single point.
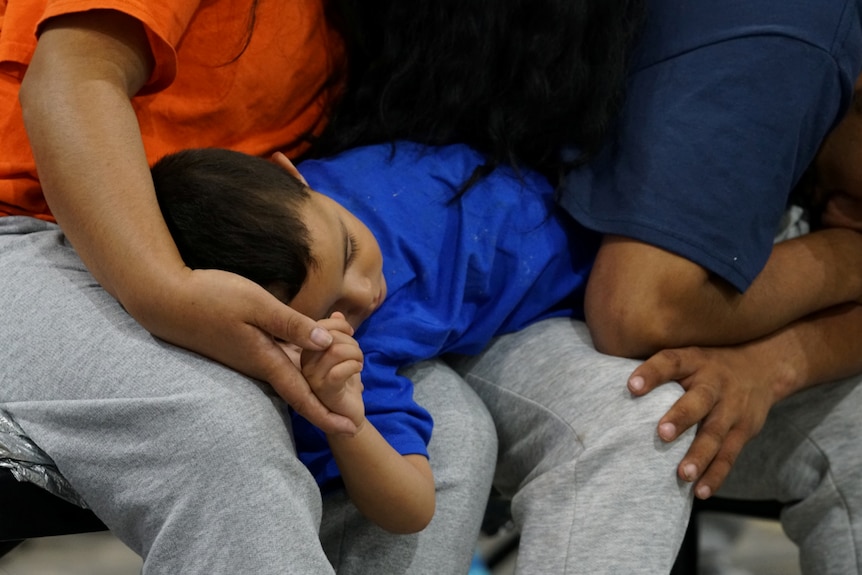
(726, 107)
(459, 271)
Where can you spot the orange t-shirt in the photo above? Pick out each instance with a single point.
(277, 91)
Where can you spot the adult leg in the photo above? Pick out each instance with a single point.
(593, 488)
(186, 461)
(463, 451)
(809, 453)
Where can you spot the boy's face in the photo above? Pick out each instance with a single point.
(838, 169)
(348, 276)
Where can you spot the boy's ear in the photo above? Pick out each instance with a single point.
(285, 163)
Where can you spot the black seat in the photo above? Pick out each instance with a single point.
(29, 511)
(686, 561)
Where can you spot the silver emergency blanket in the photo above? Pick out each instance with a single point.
(28, 462)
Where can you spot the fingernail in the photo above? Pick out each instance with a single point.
(703, 492)
(667, 431)
(636, 383)
(689, 470)
(321, 337)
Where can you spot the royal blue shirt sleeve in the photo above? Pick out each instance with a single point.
(725, 108)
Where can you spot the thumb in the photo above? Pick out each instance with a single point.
(283, 322)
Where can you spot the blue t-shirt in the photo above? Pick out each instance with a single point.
(725, 108)
(459, 271)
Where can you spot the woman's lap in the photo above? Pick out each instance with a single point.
(159, 440)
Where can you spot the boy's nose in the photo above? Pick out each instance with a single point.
(360, 296)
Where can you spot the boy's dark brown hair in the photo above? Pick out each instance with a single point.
(238, 213)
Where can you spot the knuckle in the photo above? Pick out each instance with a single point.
(685, 412)
(726, 458)
(712, 433)
(706, 391)
(697, 352)
(302, 405)
(671, 357)
(694, 406)
(293, 324)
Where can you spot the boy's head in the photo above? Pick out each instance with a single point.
(239, 213)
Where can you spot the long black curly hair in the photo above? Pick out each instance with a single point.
(516, 79)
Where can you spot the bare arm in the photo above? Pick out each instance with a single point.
(394, 491)
(641, 299)
(95, 176)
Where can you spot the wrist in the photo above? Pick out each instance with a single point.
(362, 427)
(786, 381)
(782, 373)
(158, 304)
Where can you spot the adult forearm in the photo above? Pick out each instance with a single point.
(823, 347)
(802, 276)
(396, 492)
(642, 299)
(90, 156)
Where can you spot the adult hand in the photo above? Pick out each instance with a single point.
(333, 373)
(238, 323)
(728, 391)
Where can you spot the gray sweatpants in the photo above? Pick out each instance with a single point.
(595, 491)
(188, 462)
(593, 488)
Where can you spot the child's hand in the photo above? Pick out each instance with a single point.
(333, 374)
